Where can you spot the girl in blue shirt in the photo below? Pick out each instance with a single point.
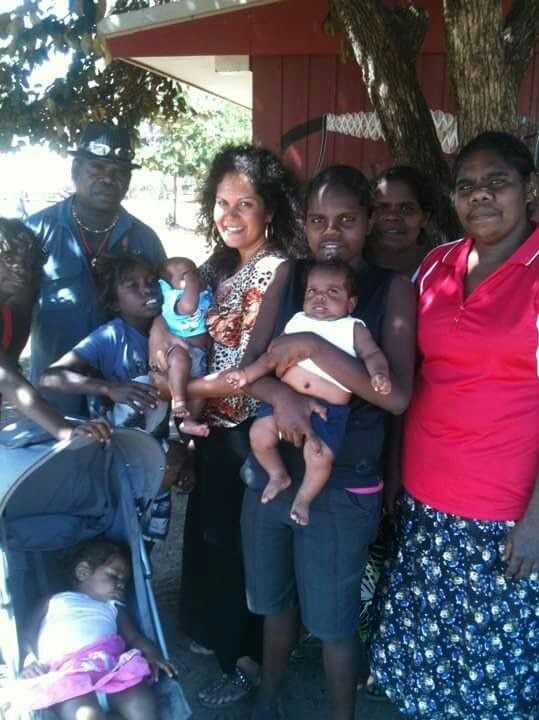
(104, 365)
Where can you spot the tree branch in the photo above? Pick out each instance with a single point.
(521, 34)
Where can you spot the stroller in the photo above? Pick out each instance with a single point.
(56, 495)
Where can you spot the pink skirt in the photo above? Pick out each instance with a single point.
(102, 667)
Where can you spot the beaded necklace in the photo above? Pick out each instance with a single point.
(92, 254)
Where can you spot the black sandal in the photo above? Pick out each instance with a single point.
(228, 690)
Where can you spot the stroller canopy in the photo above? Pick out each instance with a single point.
(53, 495)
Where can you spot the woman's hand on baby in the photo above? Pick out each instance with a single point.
(288, 350)
(34, 670)
(292, 413)
(137, 395)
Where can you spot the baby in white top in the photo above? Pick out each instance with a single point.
(330, 297)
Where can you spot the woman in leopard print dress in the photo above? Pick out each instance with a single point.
(250, 209)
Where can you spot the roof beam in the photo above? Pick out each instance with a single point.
(171, 13)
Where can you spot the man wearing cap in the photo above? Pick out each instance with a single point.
(74, 233)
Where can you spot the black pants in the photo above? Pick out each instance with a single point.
(213, 608)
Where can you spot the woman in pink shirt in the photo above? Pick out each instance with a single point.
(458, 629)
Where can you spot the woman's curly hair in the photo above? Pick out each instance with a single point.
(20, 250)
(275, 185)
(111, 271)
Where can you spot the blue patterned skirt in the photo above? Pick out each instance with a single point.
(455, 638)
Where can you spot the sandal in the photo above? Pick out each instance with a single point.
(228, 690)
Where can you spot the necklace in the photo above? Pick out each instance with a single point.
(92, 254)
(79, 222)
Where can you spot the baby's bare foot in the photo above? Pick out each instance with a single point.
(179, 408)
(276, 484)
(193, 427)
(300, 510)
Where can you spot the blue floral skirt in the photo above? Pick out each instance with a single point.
(455, 638)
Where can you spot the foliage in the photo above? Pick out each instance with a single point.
(92, 89)
(186, 146)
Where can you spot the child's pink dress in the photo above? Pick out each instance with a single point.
(78, 641)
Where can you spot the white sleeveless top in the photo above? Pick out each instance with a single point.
(74, 620)
(337, 332)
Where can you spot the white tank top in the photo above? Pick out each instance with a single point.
(74, 620)
(337, 332)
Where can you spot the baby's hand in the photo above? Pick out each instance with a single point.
(381, 383)
(192, 279)
(236, 378)
(34, 670)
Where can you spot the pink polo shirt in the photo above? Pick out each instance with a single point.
(471, 439)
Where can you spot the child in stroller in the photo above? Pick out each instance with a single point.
(83, 641)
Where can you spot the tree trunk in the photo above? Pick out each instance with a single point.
(386, 44)
(487, 57)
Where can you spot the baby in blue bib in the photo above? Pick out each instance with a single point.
(185, 305)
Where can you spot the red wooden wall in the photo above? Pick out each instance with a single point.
(298, 74)
(290, 89)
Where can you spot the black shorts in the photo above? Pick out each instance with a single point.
(331, 430)
(318, 567)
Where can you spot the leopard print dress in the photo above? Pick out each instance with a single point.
(237, 300)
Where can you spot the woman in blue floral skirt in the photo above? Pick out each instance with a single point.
(458, 633)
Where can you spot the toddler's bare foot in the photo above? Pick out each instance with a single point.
(190, 426)
(300, 510)
(276, 484)
(179, 408)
